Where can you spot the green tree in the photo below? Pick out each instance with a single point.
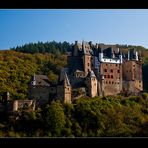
(55, 118)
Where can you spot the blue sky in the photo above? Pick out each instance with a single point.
(109, 26)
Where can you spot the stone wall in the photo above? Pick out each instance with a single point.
(112, 83)
(40, 94)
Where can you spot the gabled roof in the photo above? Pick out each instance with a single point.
(41, 80)
(86, 48)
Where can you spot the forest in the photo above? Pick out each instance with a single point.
(118, 116)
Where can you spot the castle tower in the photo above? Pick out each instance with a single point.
(86, 57)
(67, 89)
(64, 87)
(91, 82)
(132, 73)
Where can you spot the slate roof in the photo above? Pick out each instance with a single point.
(41, 80)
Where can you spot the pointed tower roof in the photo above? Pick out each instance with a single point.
(66, 79)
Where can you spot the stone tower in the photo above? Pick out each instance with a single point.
(86, 57)
(64, 87)
(91, 82)
(67, 90)
(132, 73)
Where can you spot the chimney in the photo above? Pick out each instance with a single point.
(76, 42)
(96, 45)
(90, 43)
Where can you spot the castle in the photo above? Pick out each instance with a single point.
(93, 70)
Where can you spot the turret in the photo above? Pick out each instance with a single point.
(91, 82)
(120, 56)
(128, 55)
(101, 56)
(136, 56)
(33, 82)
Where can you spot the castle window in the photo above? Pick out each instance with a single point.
(111, 70)
(133, 65)
(105, 70)
(106, 82)
(88, 64)
(112, 76)
(112, 82)
(108, 76)
(106, 64)
(118, 82)
(94, 84)
(116, 65)
(104, 76)
(109, 82)
(118, 71)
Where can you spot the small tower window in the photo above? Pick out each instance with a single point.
(118, 71)
(111, 70)
(105, 70)
(112, 76)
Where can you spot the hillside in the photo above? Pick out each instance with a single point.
(16, 69)
(87, 117)
(19, 64)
